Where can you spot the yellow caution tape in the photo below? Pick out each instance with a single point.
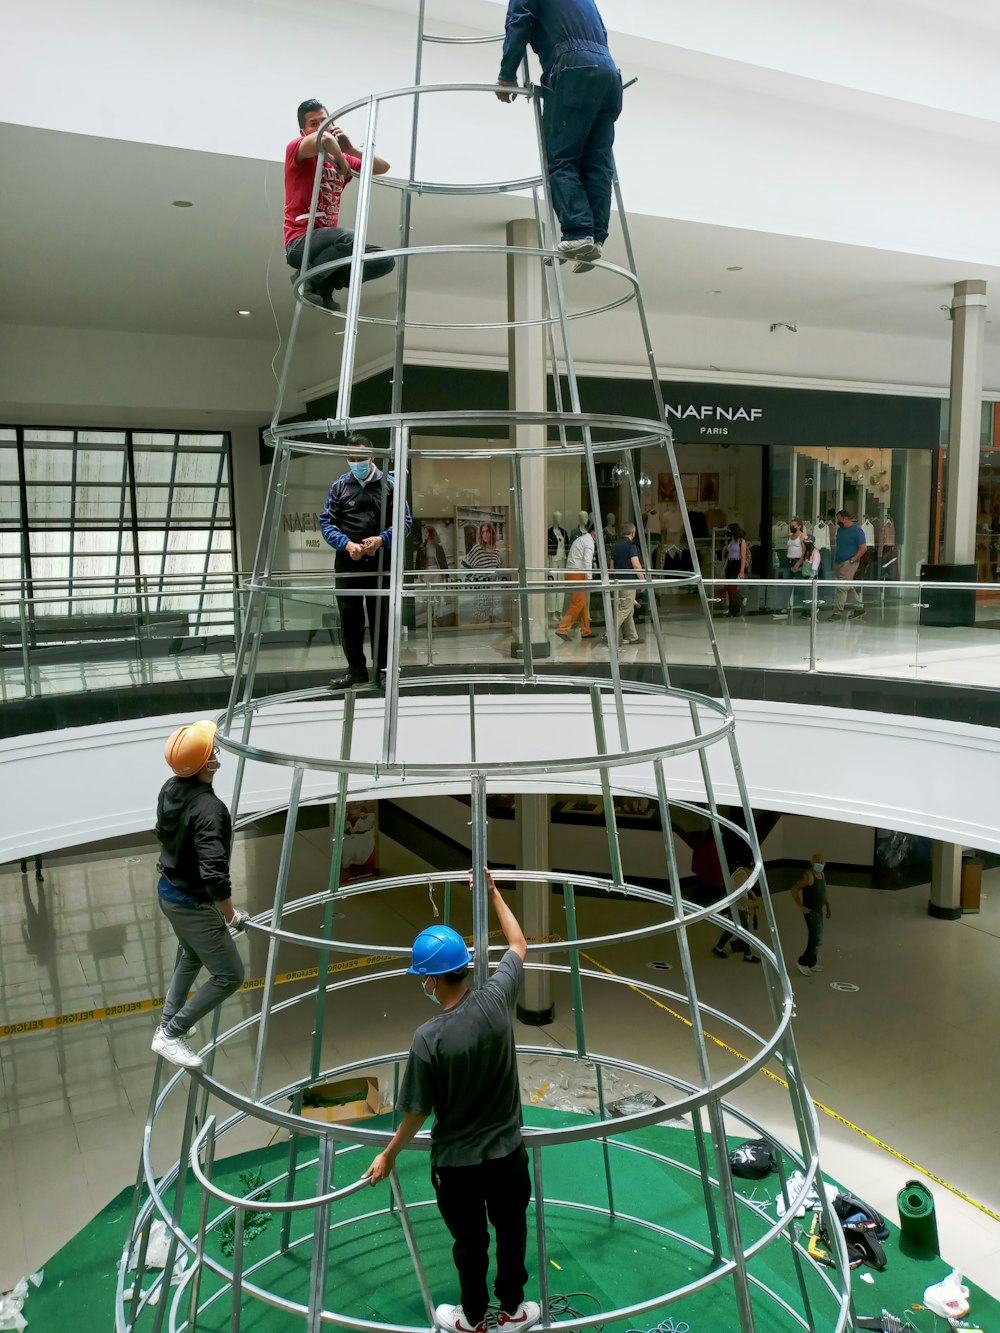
(820, 1106)
(156, 1002)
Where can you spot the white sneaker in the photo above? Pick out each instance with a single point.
(176, 1050)
(452, 1319)
(806, 971)
(526, 1314)
(817, 967)
(583, 248)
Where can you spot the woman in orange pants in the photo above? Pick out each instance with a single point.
(579, 563)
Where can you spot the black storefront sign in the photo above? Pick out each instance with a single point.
(704, 413)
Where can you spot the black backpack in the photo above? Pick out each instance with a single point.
(864, 1230)
(753, 1159)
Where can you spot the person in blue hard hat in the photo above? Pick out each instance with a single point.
(583, 99)
(462, 1068)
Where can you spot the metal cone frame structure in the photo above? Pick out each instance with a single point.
(530, 725)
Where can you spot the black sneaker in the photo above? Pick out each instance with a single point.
(856, 615)
(719, 953)
(348, 680)
(750, 958)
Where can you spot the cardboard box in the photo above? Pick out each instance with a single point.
(348, 1099)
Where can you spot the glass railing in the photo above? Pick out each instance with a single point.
(102, 635)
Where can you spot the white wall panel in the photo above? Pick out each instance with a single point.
(64, 788)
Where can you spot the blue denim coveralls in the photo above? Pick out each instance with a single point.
(583, 99)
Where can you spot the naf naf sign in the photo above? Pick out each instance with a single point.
(304, 531)
(766, 414)
(710, 420)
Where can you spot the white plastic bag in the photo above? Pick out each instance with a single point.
(948, 1298)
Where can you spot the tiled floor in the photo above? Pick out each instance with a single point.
(912, 1056)
(888, 641)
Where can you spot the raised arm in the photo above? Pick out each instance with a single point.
(509, 924)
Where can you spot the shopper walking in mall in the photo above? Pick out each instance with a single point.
(847, 556)
(462, 1068)
(626, 565)
(194, 891)
(579, 564)
(810, 897)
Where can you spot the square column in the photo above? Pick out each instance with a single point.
(968, 313)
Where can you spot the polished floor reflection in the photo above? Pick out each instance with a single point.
(907, 1052)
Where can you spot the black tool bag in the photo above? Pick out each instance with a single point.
(864, 1229)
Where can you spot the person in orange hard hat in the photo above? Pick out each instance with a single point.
(195, 833)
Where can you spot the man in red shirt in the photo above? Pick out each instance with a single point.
(329, 241)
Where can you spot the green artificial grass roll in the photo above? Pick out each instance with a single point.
(917, 1222)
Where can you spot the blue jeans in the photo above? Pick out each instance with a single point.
(785, 571)
(582, 103)
(814, 938)
(329, 243)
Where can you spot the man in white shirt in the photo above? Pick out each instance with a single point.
(579, 564)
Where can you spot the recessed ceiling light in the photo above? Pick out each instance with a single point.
(734, 268)
(182, 203)
(244, 313)
(715, 292)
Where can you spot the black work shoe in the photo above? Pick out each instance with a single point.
(719, 953)
(349, 680)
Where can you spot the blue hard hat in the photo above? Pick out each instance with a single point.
(438, 950)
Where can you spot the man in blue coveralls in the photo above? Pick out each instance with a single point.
(583, 99)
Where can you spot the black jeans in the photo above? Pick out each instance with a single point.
(814, 938)
(203, 940)
(360, 576)
(329, 243)
(466, 1196)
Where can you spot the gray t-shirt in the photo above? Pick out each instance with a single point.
(463, 1068)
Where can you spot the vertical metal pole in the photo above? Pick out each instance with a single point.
(22, 612)
(141, 1173)
(569, 896)
(199, 1256)
(542, 1248)
(177, 1211)
(522, 575)
(411, 1245)
(320, 1238)
(741, 1282)
(610, 817)
(333, 885)
(280, 890)
(209, 1065)
(706, 1187)
(393, 604)
(290, 1173)
(345, 386)
(236, 1291)
(647, 564)
(480, 906)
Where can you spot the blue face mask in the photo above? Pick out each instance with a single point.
(819, 867)
(429, 996)
(361, 470)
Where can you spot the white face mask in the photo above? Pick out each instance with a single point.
(431, 996)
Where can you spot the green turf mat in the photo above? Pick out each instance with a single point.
(611, 1262)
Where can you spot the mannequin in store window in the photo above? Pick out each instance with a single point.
(736, 568)
(557, 549)
(582, 526)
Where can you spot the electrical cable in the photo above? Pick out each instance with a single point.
(668, 1326)
(267, 275)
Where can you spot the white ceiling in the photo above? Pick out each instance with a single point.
(93, 241)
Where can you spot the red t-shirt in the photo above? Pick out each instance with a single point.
(300, 177)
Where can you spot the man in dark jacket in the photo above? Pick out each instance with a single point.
(357, 523)
(583, 99)
(195, 895)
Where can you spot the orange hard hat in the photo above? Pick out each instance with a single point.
(189, 748)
